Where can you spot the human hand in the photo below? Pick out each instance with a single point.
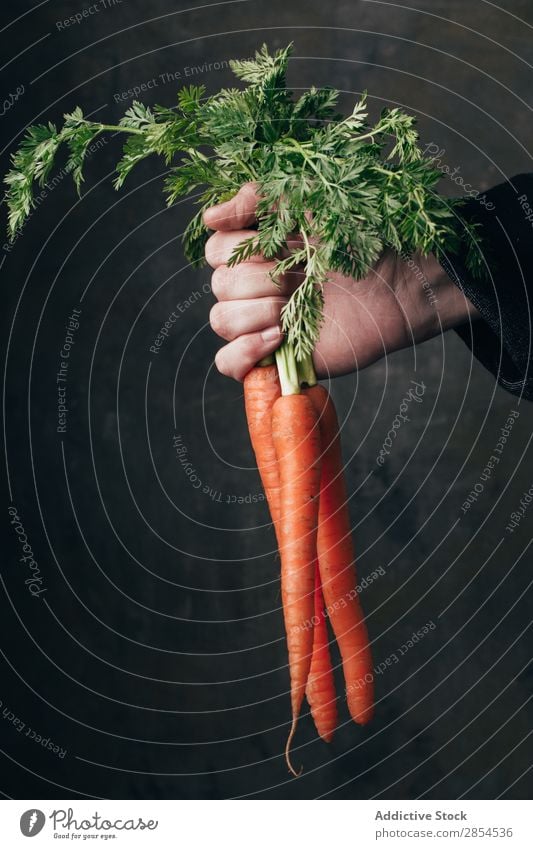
(398, 304)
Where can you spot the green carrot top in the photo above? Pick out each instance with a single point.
(367, 187)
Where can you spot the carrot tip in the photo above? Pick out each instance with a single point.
(287, 750)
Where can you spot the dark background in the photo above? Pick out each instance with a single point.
(156, 656)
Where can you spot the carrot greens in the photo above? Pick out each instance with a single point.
(367, 186)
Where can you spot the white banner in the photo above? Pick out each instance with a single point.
(256, 824)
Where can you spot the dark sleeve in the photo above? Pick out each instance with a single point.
(502, 338)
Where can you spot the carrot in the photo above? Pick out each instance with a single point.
(261, 390)
(297, 443)
(320, 690)
(337, 569)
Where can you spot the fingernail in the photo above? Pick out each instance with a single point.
(271, 333)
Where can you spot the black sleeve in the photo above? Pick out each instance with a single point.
(502, 339)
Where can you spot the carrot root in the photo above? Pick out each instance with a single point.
(320, 689)
(297, 442)
(337, 566)
(296, 773)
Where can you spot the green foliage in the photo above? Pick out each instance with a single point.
(349, 188)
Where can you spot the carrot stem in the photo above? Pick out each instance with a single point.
(306, 371)
(288, 370)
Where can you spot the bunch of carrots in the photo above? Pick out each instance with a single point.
(296, 441)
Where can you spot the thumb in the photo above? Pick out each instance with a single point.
(234, 214)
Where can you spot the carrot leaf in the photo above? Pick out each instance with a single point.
(351, 188)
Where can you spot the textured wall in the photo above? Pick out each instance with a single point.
(156, 656)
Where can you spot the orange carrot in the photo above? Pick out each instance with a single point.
(337, 568)
(320, 690)
(261, 390)
(297, 443)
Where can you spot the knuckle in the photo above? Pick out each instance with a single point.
(219, 281)
(244, 204)
(213, 250)
(224, 364)
(220, 362)
(208, 250)
(249, 192)
(217, 320)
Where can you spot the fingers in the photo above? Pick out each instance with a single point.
(236, 213)
(251, 280)
(230, 319)
(250, 304)
(238, 357)
(220, 246)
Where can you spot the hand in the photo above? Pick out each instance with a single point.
(398, 304)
